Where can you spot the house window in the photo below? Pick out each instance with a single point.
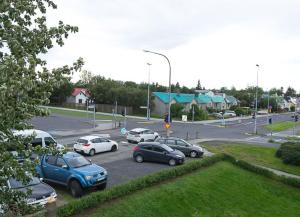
(80, 101)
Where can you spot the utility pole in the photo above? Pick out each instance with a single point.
(255, 116)
(148, 100)
(193, 113)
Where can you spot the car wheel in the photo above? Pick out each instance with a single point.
(139, 158)
(92, 152)
(142, 140)
(76, 189)
(102, 186)
(114, 148)
(193, 154)
(129, 141)
(172, 162)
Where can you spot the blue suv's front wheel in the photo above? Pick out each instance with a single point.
(75, 188)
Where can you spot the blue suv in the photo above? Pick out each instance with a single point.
(73, 171)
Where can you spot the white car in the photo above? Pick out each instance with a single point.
(141, 135)
(229, 114)
(94, 144)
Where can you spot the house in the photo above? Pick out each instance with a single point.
(79, 96)
(203, 98)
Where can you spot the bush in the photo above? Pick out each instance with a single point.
(199, 114)
(176, 110)
(98, 198)
(289, 152)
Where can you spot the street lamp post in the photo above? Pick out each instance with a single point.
(256, 93)
(169, 110)
(148, 101)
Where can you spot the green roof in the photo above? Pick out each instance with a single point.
(217, 99)
(184, 98)
(203, 99)
(163, 96)
(231, 99)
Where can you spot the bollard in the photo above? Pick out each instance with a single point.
(187, 136)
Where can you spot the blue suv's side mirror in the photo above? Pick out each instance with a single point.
(65, 166)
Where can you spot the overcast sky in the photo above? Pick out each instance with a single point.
(217, 41)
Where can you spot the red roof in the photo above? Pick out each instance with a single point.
(78, 90)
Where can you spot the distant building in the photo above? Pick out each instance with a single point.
(79, 96)
(204, 99)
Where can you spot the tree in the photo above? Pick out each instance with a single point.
(198, 87)
(86, 77)
(290, 92)
(25, 84)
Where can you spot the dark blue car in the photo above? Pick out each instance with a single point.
(73, 171)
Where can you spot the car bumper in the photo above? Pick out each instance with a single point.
(81, 150)
(44, 201)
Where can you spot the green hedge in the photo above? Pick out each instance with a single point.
(98, 198)
(262, 171)
(289, 152)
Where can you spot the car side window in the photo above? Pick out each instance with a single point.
(96, 140)
(161, 141)
(158, 149)
(49, 141)
(60, 162)
(170, 141)
(37, 142)
(103, 140)
(181, 143)
(50, 159)
(146, 147)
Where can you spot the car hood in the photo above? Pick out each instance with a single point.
(38, 191)
(91, 169)
(177, 152)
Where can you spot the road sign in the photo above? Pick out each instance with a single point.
(184, 118)
(143, 107)
(123, 131)
(167, 125)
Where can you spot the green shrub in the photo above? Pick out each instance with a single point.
(98, 198)
(199, 114)
(289, 152)
(176, 110)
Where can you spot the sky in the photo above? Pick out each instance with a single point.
(217, 41)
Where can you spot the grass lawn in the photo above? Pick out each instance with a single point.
(281, 126)
(220, 190)
(80, 114)
(259, 155)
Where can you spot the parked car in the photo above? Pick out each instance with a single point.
(73, 171)
(156, 152)
(41, 138)
(229, 113)
(217, 115)
(94, 144)
(141, 135)
(41, 193)
(183, 146)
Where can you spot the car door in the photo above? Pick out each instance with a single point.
(106, 144)
(96, 144)
(183, 147)
(171, 143)
(61, 171)
(48, 166)
(158, 154)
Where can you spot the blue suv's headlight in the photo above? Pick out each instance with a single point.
(88, 178)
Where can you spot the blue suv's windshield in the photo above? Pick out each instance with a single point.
(78, 161)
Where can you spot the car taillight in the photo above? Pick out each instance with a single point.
(86, 144)
(136, 148)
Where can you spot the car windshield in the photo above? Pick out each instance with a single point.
(76, 162)
(167, 148)
(18, 184)
(134, 132)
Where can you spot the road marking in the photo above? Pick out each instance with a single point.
(252, 138)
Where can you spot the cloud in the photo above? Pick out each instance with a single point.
(218, 41)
